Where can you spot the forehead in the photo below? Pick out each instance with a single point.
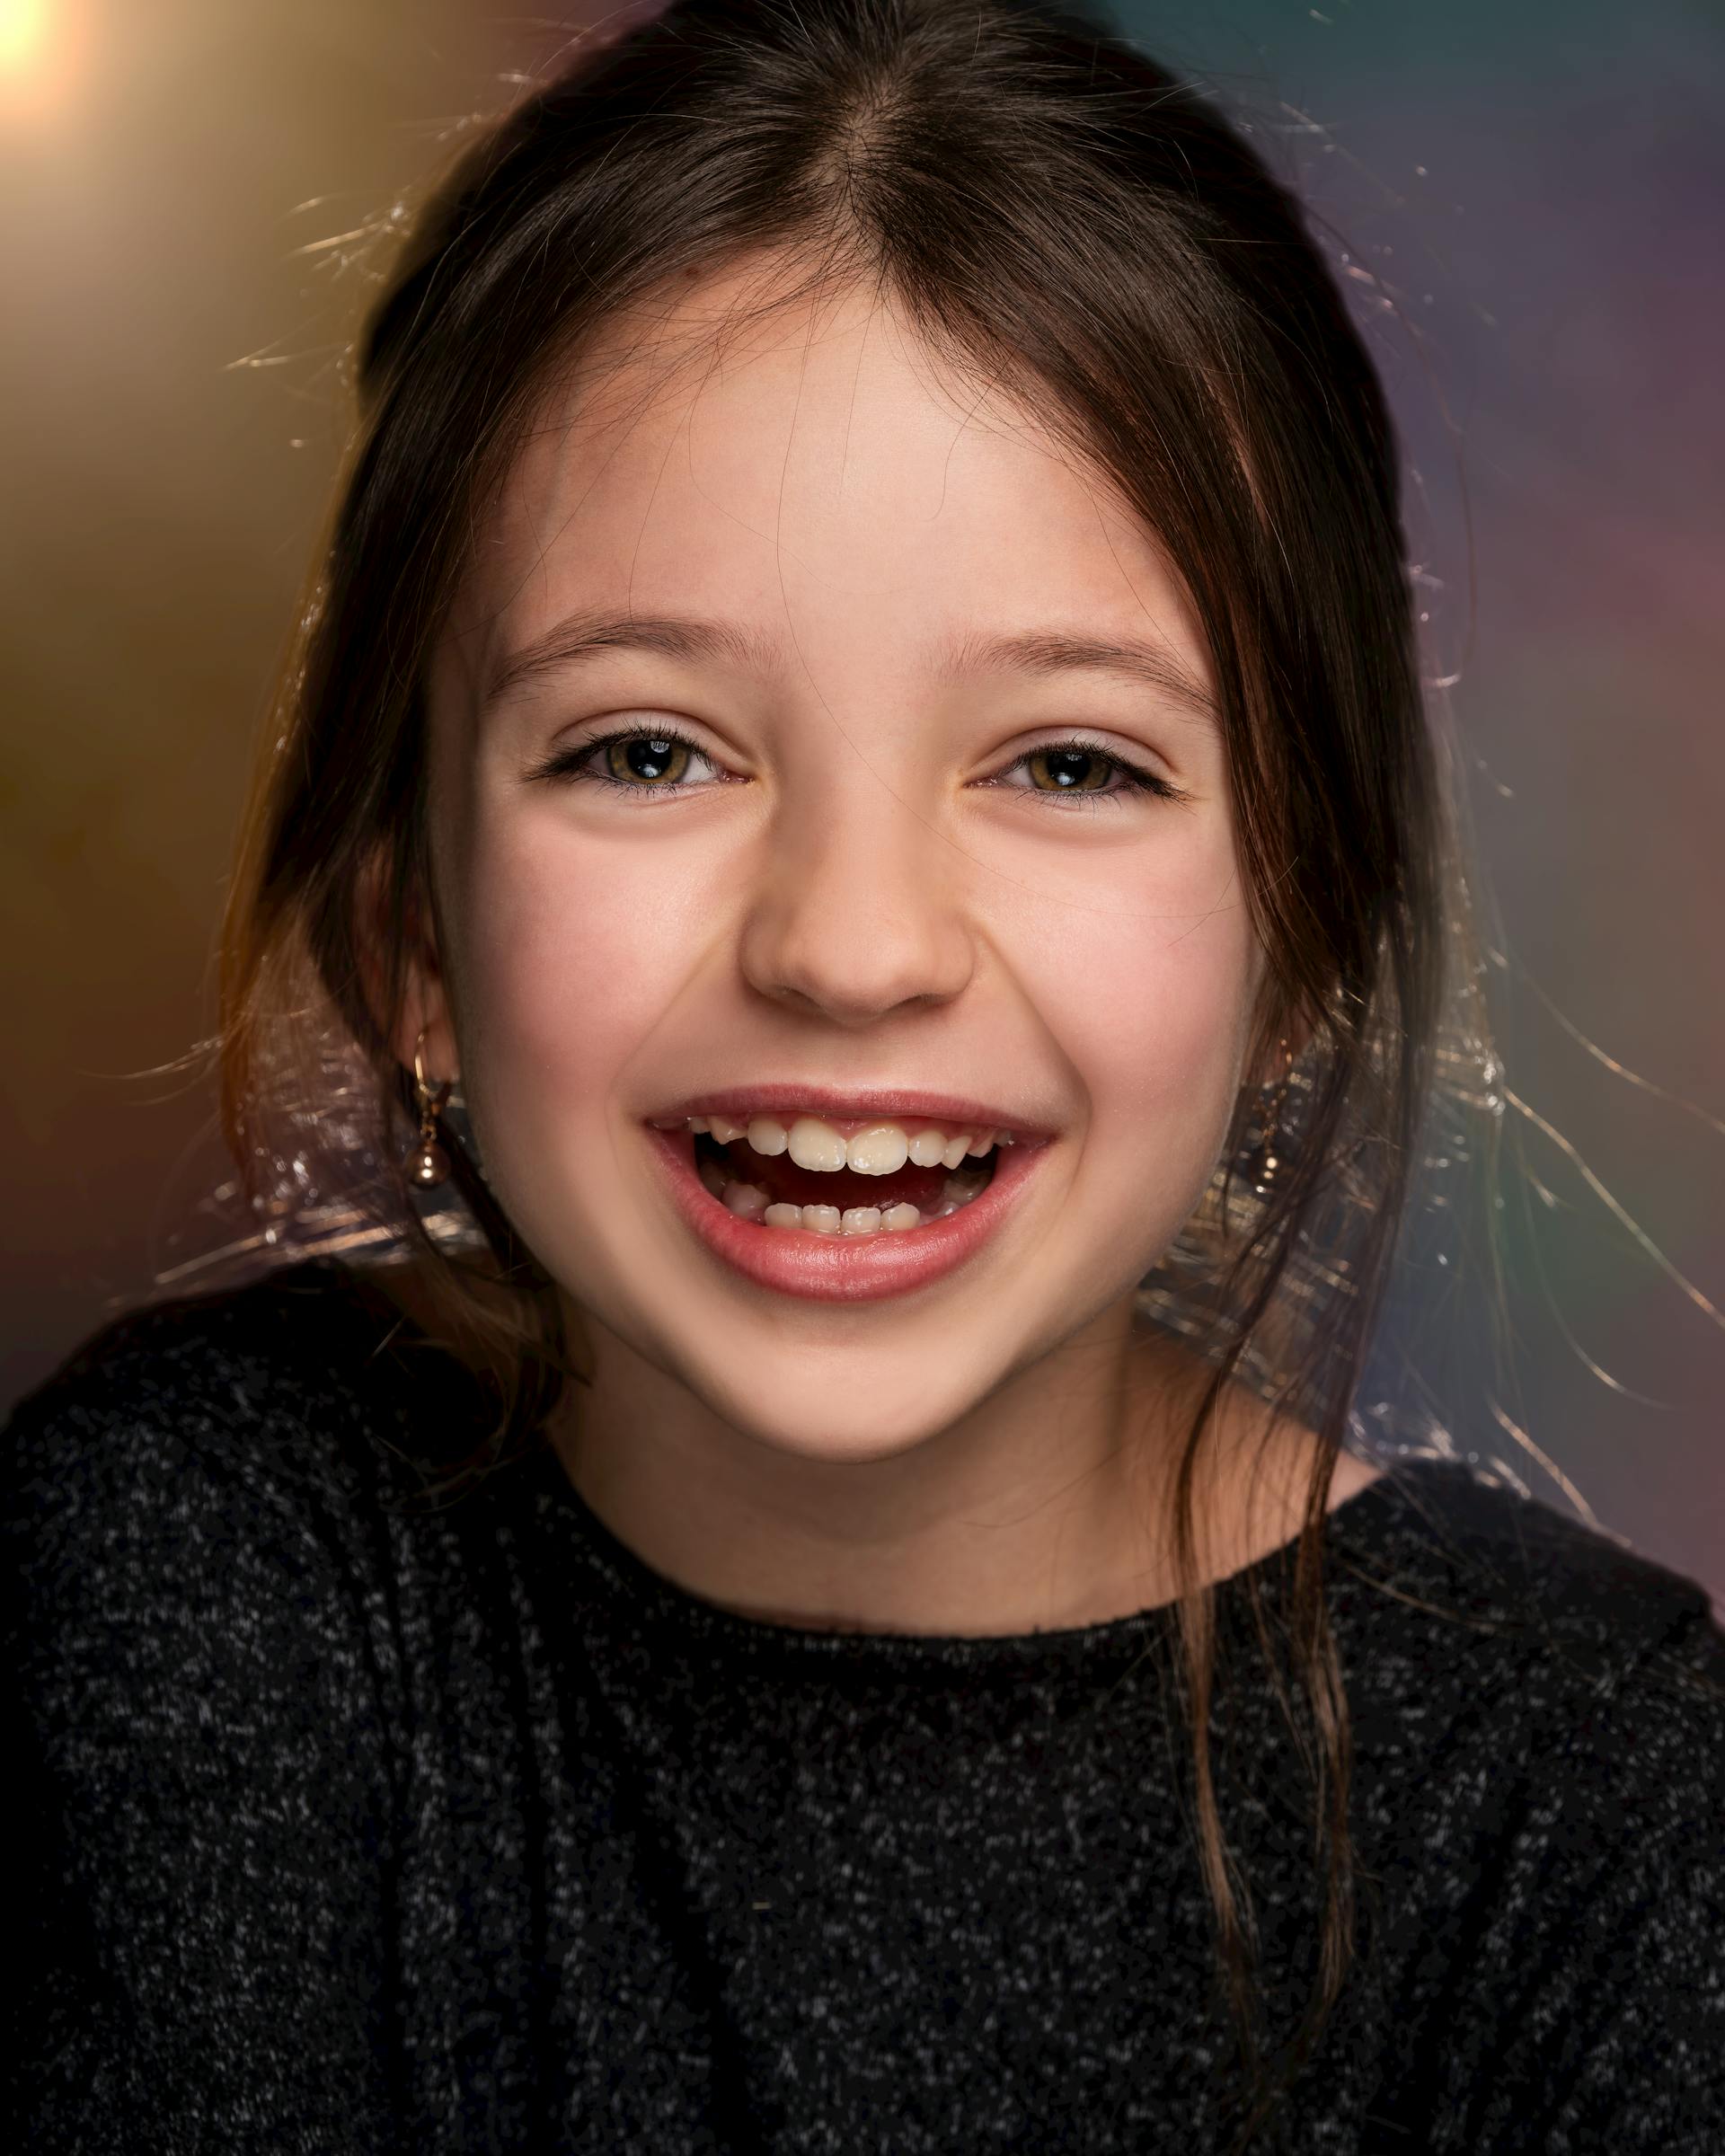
(809, 469)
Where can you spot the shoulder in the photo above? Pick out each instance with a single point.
(189, 1443)
(1544, 1723)
(193, 1344)
(1472, 1609)
(204, 1684)
(1500, 1561)
(198, 1378)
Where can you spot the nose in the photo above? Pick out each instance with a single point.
(857, 913)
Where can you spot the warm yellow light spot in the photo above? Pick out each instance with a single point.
(24, 32)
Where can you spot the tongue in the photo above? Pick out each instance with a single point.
(786, 1184)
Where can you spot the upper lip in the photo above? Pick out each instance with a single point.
(890, 1104)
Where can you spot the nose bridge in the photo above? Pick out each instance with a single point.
(858, 904)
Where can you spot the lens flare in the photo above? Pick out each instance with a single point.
(23, 33)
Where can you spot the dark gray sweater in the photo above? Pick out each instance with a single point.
(352, 1826)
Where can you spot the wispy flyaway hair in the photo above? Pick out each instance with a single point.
(1060, 217)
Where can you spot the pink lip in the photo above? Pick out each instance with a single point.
(841, 1268)
(887, 1104)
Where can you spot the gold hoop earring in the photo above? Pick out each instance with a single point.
(1270, 1163)
(428, 1164)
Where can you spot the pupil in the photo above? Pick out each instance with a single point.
(1060, 763)
(644, 759)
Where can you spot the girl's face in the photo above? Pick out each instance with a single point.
(878, 606)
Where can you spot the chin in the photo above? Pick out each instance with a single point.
(812, 1418)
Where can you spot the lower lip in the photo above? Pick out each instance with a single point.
(846, 1268)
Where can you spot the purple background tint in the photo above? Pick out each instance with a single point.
(1555, 267)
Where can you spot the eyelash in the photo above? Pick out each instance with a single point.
(571, 765)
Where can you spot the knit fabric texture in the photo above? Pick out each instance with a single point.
(353, 1822)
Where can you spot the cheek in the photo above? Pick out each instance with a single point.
(570, 947)
(1149, 999)
(1164, 1038)
(1145, 976)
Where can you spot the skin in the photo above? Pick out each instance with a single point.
(863, 881)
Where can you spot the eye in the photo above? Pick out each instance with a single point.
(656, 761)
(637, 760)
(1078, 772)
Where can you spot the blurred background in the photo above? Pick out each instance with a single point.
(1528, 203)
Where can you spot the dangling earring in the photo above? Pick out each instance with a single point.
(1270, 1163)
(428, 1164)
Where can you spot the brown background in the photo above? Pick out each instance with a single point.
(1541, 189)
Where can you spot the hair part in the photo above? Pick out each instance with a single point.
(1062, 218)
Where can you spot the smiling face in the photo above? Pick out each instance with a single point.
(919, 829)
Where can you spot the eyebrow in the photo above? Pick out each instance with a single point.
(585, 635)
(1052, 651)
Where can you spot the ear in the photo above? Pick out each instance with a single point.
(422, 1004)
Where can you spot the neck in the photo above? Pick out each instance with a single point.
(1049, 1505)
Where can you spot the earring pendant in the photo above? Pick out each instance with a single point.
(428, 1164)
(1270, 1163)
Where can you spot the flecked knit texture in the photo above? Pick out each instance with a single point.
(349, 1826)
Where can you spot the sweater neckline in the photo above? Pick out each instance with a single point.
(1356, 1524)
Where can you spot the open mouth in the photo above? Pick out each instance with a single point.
(846, 1210)
(779, 1193)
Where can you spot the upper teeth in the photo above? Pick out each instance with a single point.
(877, 1150)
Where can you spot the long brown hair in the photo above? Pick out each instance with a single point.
(1060, 215)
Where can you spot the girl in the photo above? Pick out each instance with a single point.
(854, 838)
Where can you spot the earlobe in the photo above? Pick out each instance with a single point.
(425, 1028)
(424, 1032)
(428, 1031)
(412, 1013)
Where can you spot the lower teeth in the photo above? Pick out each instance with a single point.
(748, 1201)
